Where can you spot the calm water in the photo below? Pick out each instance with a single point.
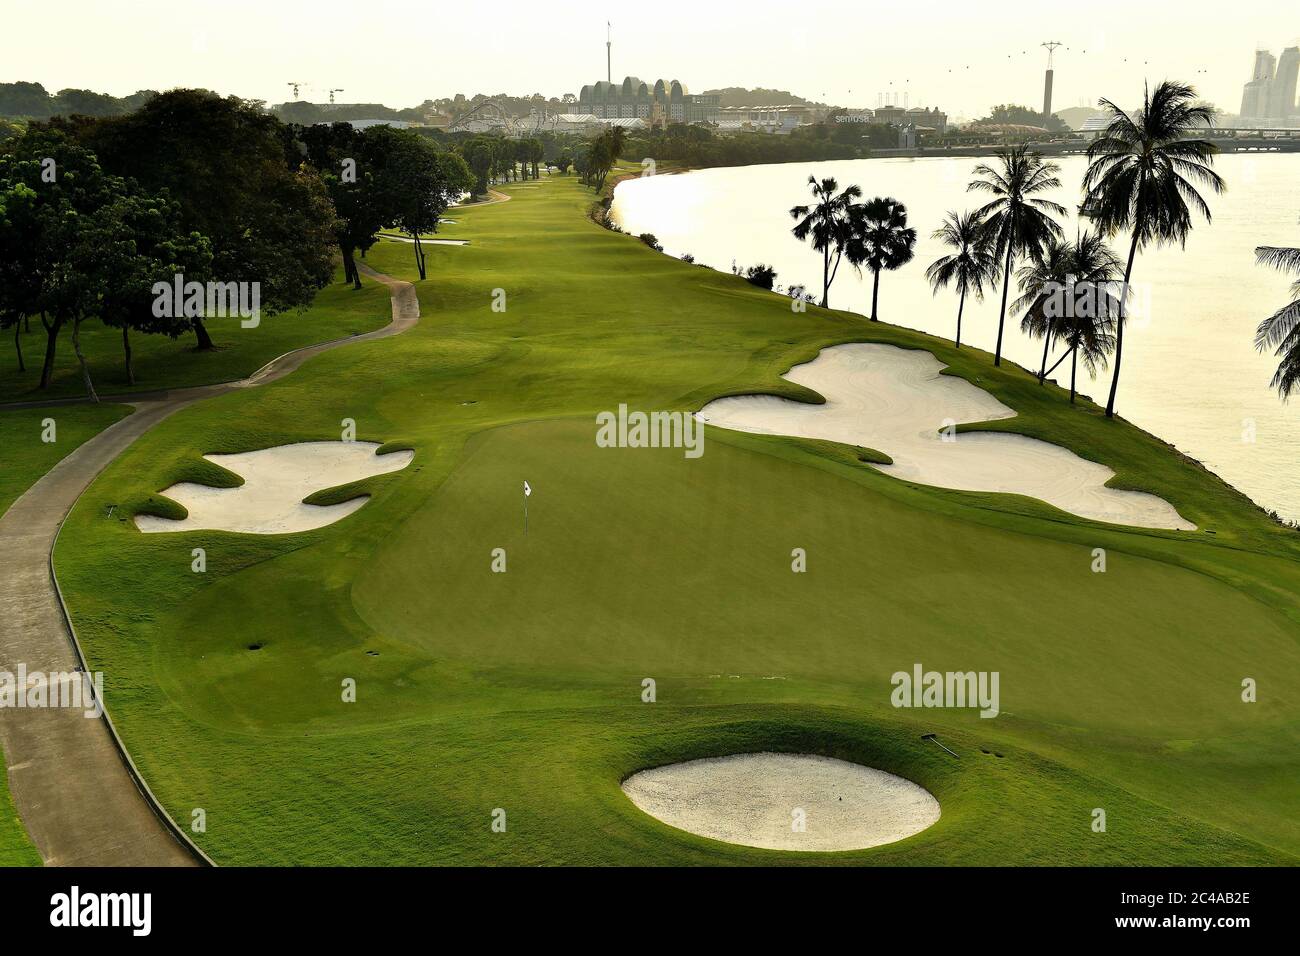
(1191, 374)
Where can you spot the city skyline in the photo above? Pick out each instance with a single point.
(886, 55)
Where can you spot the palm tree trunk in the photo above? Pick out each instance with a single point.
(1074, 367)
(1042, 369)
(961, 304)
(875, 293)
(826, 277)
(1119, 326)
(1002, 314)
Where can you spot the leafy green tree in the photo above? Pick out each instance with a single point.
(1021, 221)
(228, 165)
(345, 159)
(828, 223)
(1281, 330)
(477, 153)
(880, 239)
(970, 266)
(1142, 177)
(414, 183)
(141, 242)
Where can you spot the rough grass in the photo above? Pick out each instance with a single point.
(522, 691)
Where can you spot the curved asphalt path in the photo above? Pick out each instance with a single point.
(74, 789)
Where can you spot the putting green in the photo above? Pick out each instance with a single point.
(522, 691)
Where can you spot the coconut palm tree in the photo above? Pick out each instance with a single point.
(1020, 220)
(1046, 283)
(1084, 316)
(970, 266)
(827, 222)
(1142, 177)
(880, 239)
(1281, 330)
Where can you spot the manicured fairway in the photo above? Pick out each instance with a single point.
(522, 691)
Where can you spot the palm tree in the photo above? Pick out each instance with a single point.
(1042, 283)
(1281, 330)
(880, 239)
(969, 266)
(1087, 325)
(1021, 222)
(1142, 177)
(828, 223)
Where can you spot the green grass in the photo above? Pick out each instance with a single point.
(27, 456)
(15, 848)
(522, 690)
(161, 362)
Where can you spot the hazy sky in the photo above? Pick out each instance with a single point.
(961, 56)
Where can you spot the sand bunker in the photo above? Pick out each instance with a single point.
(276, 480)
(757, 799)
(894, 400)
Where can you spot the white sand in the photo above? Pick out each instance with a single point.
(276, 480)
(895, 401)
(751, 799)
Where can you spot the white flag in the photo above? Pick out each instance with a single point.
(527, 489)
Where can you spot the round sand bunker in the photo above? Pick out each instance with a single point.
(784, 801)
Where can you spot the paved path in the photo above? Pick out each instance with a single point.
(71, 784)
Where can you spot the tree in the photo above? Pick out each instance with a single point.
(477, 153)
(1069, 296)
(345, 159)
(414, 183)
(1020, 221)
(1142, 176)
(1043, 282)
(228, 165)
(1281, 330)
(20, 273)
(51, 190)
(827, 222)
(140, 242)
(880, 239)
(970, 266)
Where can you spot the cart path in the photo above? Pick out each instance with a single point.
(72, 786)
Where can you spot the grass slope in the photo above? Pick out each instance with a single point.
(161, 362)
(522, 690)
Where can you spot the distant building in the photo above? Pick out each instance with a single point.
(1269, 96)
(765, 119)
(1281, 95)
(664, 102)
(856, 116)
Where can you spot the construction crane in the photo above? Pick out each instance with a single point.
(296, 85)
(332, 92)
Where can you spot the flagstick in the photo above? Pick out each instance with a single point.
(525, 514)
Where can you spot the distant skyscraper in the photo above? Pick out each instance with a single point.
(1265, 65)
(1281, 93)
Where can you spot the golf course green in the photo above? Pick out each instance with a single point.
(478, 691)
